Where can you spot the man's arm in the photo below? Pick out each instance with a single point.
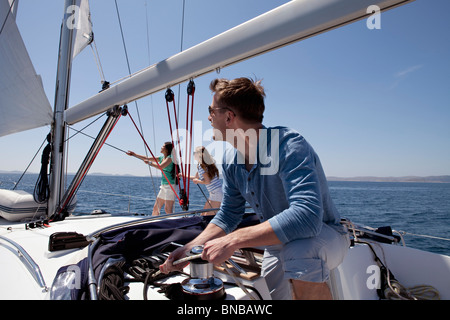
(211, 231)
(221, 249)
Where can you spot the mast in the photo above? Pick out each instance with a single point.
(57, 180)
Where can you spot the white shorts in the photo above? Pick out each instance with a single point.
(166, 192)
(216, 195)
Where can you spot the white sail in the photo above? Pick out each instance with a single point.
(83, 35)
(23, 102)
(14, 4)
(291, 22)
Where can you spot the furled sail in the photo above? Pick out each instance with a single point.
(83, 35)
(23, 103)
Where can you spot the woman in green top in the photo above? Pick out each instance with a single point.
(166, 195)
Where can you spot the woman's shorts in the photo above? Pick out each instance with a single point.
(216, 195)
(166, 192)
(309, 259)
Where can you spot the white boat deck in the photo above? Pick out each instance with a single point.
(357, 278)
(35, 243)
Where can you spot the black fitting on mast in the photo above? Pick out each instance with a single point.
(105, 85)
(191, 87)
(169, 95)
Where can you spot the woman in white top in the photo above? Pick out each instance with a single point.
(208, 174)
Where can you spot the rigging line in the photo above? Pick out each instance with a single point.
(84, 173)
(181, 48)
(148, 32)
(89, 136)
(154, 158)
(169, 96)
(66, 156)
(129, 72)
(151, 96)
(130, 75)
(207, 200)
(26, 169)
(7, 15)
(149, 62)
(190, 92)
(80, 131)
(97, 61)
(423, 235)
(182, 27)
(187, 168)
(115, 194)
(123, 38)
(93, 138)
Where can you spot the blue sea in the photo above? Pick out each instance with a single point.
(419, 209)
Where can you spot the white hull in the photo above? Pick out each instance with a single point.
(16, 281)
(355, 278)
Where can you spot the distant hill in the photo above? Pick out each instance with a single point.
(429, 179)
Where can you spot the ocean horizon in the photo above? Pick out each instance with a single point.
(409, 178)
(420, 210)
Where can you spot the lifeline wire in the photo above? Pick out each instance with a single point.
(17, 183)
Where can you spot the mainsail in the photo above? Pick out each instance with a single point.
(23, 102)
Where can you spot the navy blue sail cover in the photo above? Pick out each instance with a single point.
(133, 242)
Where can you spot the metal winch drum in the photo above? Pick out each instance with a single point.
(202, 285)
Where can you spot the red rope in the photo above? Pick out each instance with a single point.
(190, 92)
(154, 158)
(178, 142)
(186, 167)
(169, 97)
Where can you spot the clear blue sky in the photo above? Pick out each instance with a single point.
(371, 102)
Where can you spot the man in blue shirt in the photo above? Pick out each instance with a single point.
(278, 173)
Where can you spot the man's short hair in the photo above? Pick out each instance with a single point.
(243, 95)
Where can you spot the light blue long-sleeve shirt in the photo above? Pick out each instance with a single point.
(286, 186)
